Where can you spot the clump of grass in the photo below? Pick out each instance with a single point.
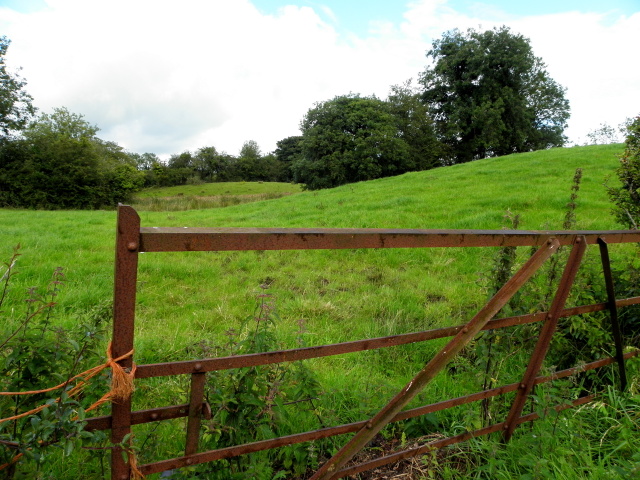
(191, 202)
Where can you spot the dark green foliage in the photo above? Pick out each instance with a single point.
(415, 127)
(350, 139)
(212, 166)
(60, 163)
(491, 96)
(627, 196)
(251, 165)
(15, 104)
(288, 151)
(208, 165)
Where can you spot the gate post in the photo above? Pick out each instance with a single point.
(124, 300)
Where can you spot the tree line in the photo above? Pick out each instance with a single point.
(483, 94)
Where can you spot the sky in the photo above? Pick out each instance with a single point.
(166, 76)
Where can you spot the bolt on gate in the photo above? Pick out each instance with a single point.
(132, 239)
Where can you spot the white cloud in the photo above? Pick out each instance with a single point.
(593, 56)
(162, 76)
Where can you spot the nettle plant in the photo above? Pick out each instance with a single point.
(578, 339)
(259, 403)
(37, 353)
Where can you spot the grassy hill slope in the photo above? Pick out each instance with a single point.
(187, 300)
(477, 195)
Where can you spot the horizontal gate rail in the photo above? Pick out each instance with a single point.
(180, 411)
(306, 353)
(155, 239)
(133, 239)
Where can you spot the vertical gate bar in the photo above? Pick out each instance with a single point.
(195, 412)
(613, 310)
(124, 300)
(437, 363)
(546, 333)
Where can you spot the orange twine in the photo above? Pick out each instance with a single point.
(122, 387)
(136, 474)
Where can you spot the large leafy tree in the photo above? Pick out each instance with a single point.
(349, 139)
(15, 104)
(251, 165)
(415, 126)
(490, 95)
(213, 166)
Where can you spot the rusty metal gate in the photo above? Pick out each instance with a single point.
(132, 239)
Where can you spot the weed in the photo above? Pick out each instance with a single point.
(259, 403)
(36, 353)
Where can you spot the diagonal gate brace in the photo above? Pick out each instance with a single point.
(547, 331)
(330, 469)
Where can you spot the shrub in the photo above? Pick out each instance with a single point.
(37, 353)
(627, 196)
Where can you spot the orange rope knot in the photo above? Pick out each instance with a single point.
(121, 381)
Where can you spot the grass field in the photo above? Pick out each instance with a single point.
(184, 298)
(211, 291)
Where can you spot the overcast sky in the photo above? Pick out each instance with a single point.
(164, 76)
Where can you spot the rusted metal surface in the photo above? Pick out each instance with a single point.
(613, 310)
(156, 239)
(546, 333)
(195, 412)
(438, 362)
(125, 277)
(256, 359)
(147, 416)
(131, 239)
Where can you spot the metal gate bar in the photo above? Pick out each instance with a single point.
(125, 284)
(292, 355)
(546, 333)
(177, 411)
(156, 239)
(463, 437)
(613, 310)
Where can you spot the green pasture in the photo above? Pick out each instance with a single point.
(185, 299)
(340, 295)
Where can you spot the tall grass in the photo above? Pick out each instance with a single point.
(217, 189)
